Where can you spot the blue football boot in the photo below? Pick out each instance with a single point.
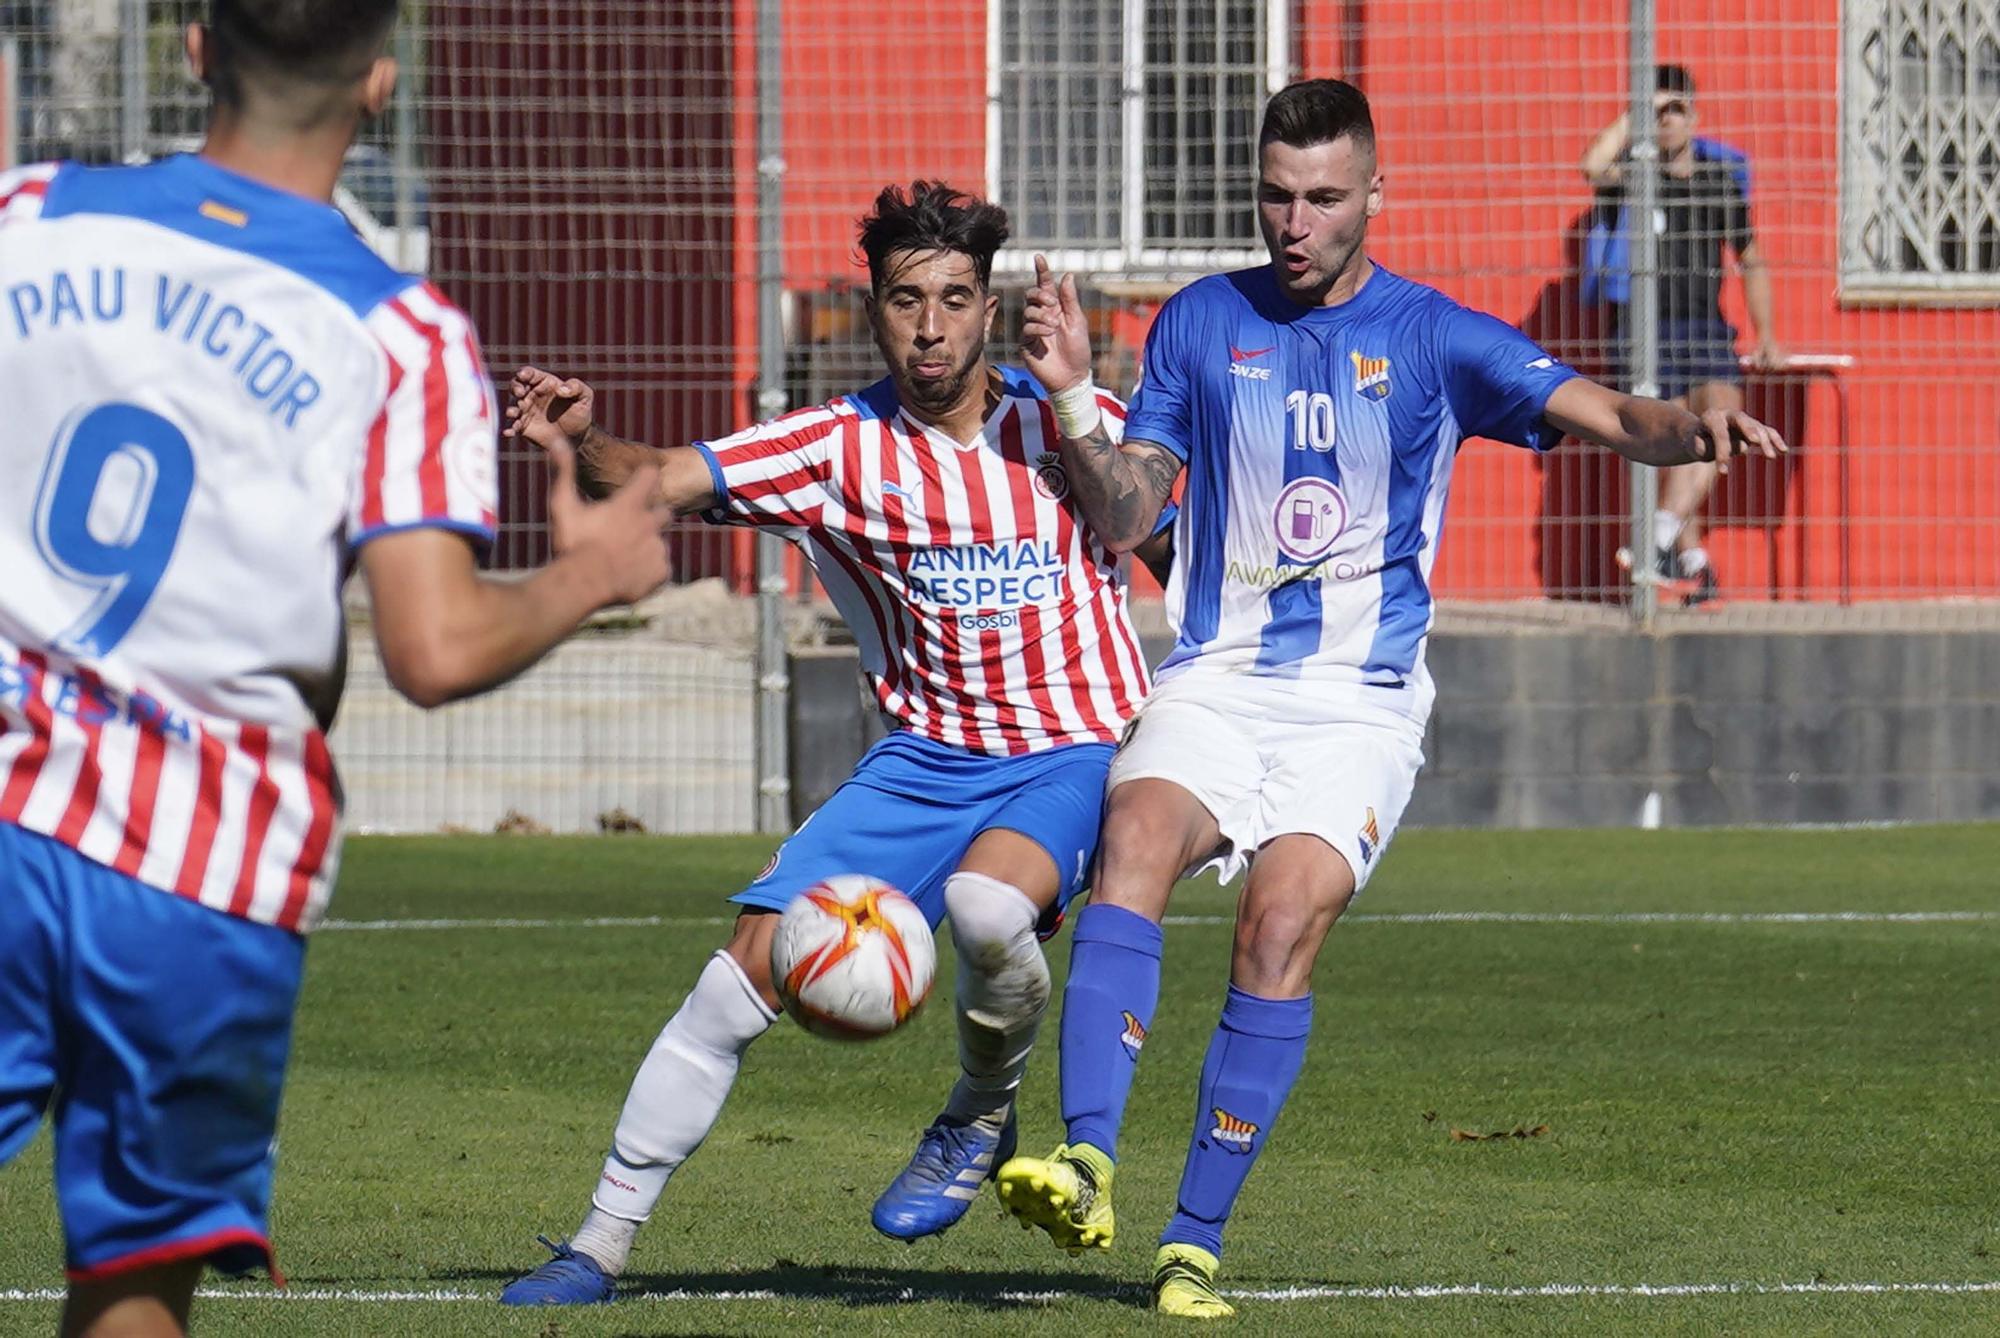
(567, 1279)
(952, 1162)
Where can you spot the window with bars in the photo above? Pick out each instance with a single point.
(1121, 134)
(1920, 170)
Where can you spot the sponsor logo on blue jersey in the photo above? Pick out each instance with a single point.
(1268, 577)
(1308, 518)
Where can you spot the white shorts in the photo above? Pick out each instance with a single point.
(1270, 758)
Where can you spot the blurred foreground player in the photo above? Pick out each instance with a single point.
(221, 399)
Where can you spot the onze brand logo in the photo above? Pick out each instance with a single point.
(1239, 359)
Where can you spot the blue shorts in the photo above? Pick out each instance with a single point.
(913, 807)
(160, 1030)
(1695, 353)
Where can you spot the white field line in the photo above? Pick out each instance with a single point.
(888, 1295)
(1361, 917)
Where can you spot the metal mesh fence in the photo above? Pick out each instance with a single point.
(583, 178)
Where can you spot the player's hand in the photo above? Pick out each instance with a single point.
(1728, 433)
(622, 536)
(547, 409)
(1055, 339)
(1768, 356)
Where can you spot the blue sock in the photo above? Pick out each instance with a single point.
(1252, 1062)
(1114, 983)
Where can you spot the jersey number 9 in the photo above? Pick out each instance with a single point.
(108, 513)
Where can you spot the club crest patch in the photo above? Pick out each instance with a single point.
(1370, 836)
(1133, 1038)
(1050, 480)
(1234, 1134)
(1371, 377)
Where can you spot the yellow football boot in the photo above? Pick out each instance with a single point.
(1068, 1195)
(1184, 1283)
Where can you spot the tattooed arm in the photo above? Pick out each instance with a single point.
(1119, 486)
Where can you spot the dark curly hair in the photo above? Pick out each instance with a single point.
(932, 216)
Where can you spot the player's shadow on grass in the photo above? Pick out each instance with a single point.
(861, 1287)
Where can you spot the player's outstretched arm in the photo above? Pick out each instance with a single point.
(446, 630)
(1120, 487)
(1654, 432)
(550, 411)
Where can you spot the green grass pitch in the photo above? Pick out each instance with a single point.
(1735, 1104)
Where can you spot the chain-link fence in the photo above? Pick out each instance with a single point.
(585, 177)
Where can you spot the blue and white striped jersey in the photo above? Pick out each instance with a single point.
(1319, 445)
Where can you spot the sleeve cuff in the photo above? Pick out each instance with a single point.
(1144, 427)
(715, 475)
(1544, 436)
(481, 535)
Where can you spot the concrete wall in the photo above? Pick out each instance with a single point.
(1588, 729)
(657, 731)
(1578, 730)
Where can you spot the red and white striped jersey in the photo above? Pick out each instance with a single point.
(989, 617)
(219, 393)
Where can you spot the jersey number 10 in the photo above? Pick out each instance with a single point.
(1312, 419)
(114, 540)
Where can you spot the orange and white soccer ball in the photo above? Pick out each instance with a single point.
(853, 958)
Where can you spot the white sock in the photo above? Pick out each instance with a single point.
(1666, 529)
(1003, 990)
(675, 1100)
(1693, 561)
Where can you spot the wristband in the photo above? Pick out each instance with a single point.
(1077, 411)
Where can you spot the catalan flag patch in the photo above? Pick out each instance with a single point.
(1234, 1134)
(1371, 377)
(1370, 835)
(1133, 1038)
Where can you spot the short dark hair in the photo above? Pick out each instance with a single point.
(1317, 111)
(1673, 79)
(317, 41)
(932, 217)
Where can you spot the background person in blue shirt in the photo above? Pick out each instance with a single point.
(1317, 404)
(1703, 211)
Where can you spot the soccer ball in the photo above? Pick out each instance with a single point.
(853, 958)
